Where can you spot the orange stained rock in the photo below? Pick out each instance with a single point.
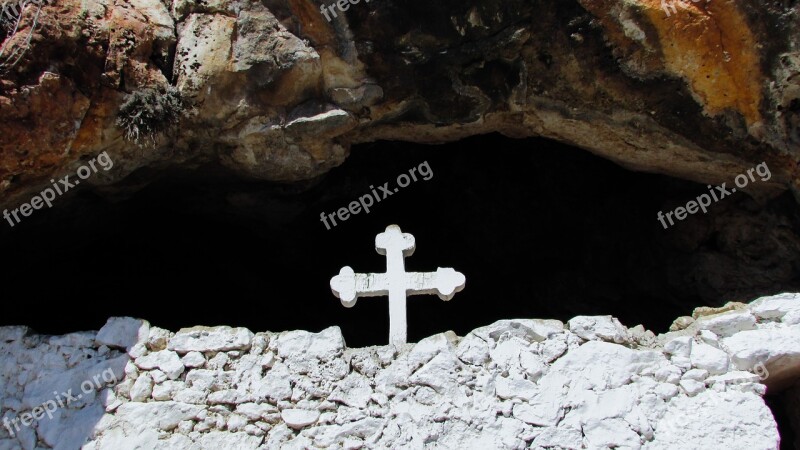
(710, 45)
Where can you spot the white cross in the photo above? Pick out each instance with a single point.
(396, 282)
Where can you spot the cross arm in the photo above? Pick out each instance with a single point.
(348, 286)
(445, 282)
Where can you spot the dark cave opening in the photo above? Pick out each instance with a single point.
(539, 229)
(779, 405)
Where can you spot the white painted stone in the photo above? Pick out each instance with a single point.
(163, 416)
(709, 358)
(185, 427)
(69, 428)
(728, 324)
(256, 411)
(680, 346)
(10, 334)
(260, 343)
(326, 436)
(533, 365)
(666, 390)
(696, 375)
(354, 390)
(210, 339)
(792, 317)
(560, 437)
(218, 361)
(440, 373)
(119, 438)
(708, 420)
(142, 388)
(736, 377)
(167, 390)
(158, 376)
(775, 307)
(593, 406)
(324, 345)
(709, 337)
(78, 339)
(276, 385)
(517, 384)
(508, 388)
(191, 396)
(473, 350)
(236, 422)
(229, 397)
(352, 444)
(552, 349)
(642, 336)
(777, 349)
(668, 374)
(610, 433)
(26, 438)
(393, 379)
(506, 354)
(223, 440)
(253, 430)
(40, 390)
(201, 379)
(123, 332)
(530, 330)
(604, 365)
(299, 418)
(692, 387)
(535, 414)
(157, 339)
(267, 360)
(165, 360)
(137, 350)
(395, 282)
(193, 359)
(604, 328)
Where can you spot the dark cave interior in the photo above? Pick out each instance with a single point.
(539, 229)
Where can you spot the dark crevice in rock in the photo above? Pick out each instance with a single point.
(782, 408)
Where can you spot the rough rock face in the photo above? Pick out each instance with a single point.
(528, 383)
(272, 90)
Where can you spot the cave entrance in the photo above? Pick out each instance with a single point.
(539, 229)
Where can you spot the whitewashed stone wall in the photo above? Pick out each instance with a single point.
(590, 383)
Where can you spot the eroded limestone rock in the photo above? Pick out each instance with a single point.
(272, 90)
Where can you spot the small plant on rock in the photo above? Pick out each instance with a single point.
(148, 112)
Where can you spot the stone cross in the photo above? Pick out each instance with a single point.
(396, 282)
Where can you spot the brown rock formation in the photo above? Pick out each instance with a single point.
(272, 90)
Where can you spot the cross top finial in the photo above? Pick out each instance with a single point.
(396, 282)
(394, 238)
